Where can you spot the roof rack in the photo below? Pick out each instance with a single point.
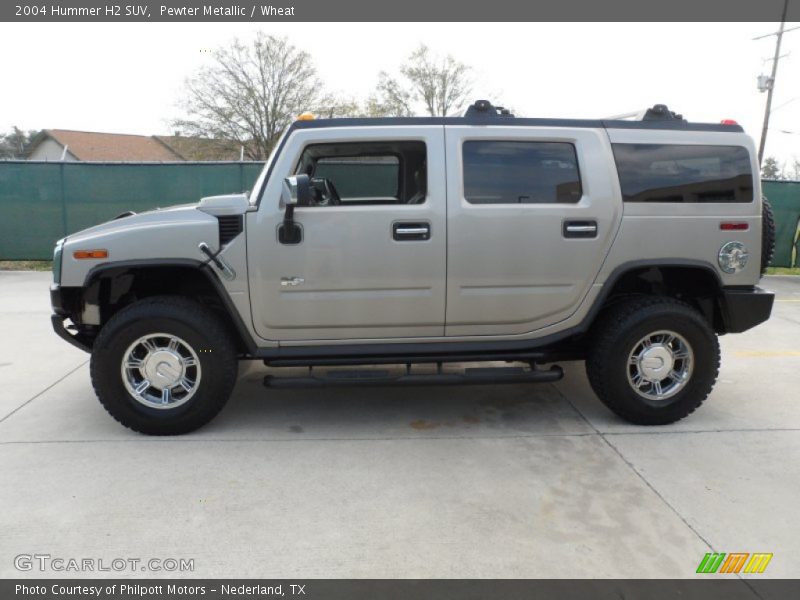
(658, 112)
(484, 112)
(483, 109)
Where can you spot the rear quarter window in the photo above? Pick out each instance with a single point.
(684, 173)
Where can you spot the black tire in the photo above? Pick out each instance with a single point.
(614, 338)
(194, 324)
(767, 234)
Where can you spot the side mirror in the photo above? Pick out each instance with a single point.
(296, 191)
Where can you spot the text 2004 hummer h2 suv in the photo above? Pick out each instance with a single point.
(628, 244)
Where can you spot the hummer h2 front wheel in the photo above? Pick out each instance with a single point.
(164, 366)
(653, 360)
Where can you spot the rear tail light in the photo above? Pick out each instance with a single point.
(734, 226)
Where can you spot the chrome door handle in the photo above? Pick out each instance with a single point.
(580, 229)
(409, 232)
(291, 281)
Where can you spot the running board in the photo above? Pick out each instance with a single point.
(364, 377)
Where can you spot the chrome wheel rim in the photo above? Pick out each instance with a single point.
(161, 371)
(660, 365)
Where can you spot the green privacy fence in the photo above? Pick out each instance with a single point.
(41, 202)
(785, 199)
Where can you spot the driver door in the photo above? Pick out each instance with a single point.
(357, 274)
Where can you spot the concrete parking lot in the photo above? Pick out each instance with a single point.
(505, 481)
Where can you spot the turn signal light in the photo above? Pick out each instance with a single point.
(81, 254)
(734, 226)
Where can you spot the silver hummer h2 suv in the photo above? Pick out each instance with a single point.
(630, 244)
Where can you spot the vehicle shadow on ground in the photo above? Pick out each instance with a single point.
(395, 412)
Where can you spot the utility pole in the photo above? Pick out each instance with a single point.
(771, 88)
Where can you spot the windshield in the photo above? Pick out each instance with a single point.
(255, 193)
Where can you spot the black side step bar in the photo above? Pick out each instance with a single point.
(485, 376)
(331, 361)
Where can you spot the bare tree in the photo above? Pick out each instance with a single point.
(392, 99)
(793, 172)
(14, 144)
(339, 107)
(441, 85)
(348, 107)
(251, 93)
(771, 169)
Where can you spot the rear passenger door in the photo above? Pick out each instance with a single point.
(532, 213)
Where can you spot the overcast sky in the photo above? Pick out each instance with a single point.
(127, 77)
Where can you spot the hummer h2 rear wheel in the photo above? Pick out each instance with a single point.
(653, 360)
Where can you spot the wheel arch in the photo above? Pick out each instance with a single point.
(696, 282)
(112, 286)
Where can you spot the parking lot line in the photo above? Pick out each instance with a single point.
(49, 387)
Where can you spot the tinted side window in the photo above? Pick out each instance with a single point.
(505, 172)
(684, 173)
(362, 176)
(366, 172)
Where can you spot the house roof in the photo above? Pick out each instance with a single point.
(196, 148)
(112, 147)
(91, 145)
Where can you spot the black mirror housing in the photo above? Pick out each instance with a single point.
(296, 191)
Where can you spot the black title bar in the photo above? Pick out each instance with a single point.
(710, 588)
(266, 11)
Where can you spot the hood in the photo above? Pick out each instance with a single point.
(171, 214)
(216, 206)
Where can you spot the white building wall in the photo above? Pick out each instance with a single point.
(50, 150)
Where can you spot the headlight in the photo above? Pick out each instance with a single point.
(733, 257)
(57, 261)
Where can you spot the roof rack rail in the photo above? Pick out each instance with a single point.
(483, 109)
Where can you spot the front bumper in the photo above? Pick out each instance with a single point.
(59, 301)
(744, 308)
